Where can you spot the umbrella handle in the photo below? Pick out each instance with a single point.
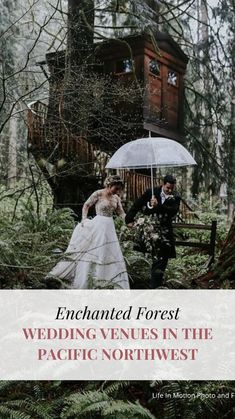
(149, 205)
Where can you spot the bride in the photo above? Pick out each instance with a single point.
(94, 256)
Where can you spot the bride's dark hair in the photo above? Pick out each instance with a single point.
(114, 180)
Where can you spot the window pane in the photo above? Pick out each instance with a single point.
(172, 78)
(124, 66)
(154, 67)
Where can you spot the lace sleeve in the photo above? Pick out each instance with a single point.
(89, 202)
(120, 210)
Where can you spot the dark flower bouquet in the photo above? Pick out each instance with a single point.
(149, 235)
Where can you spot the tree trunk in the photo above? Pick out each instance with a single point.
(12, 153)
(78, 53)
(66, 117)
(224, 269)
(203, 173)
(231, 178)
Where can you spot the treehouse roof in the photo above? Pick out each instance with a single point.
(163, 40)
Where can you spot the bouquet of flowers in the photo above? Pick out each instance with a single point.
(149, 235)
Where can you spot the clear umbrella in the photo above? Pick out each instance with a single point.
(150, 153)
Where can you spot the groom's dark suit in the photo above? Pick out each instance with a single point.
(165, 212)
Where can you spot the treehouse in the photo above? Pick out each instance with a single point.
(156, 68)
(132, 86)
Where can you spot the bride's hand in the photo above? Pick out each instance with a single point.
(130, 225)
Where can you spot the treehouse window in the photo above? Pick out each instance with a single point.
(154, 67)
(124, 66)
(173, 78)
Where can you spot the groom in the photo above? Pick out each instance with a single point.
(165, 206)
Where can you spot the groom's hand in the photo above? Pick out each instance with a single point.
(153, 202)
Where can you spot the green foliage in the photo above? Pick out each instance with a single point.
(116, 400)
(195, 399)
(29, 246)
(187, 265)
(7, 412)
(207, 213)
(99, 404)
(190, 262)
(116, 387)
(29, 400)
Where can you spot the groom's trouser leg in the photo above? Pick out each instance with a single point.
(157, 272)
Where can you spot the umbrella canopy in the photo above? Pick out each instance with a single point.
(150, 152)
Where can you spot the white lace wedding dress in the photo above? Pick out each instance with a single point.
(94, 257)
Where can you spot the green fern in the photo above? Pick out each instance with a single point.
(4, 385)
(85, 405)
(29, 409)
(80, 404)
(8, 413)
(124, 409)
(116, 387)
(27, 248)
